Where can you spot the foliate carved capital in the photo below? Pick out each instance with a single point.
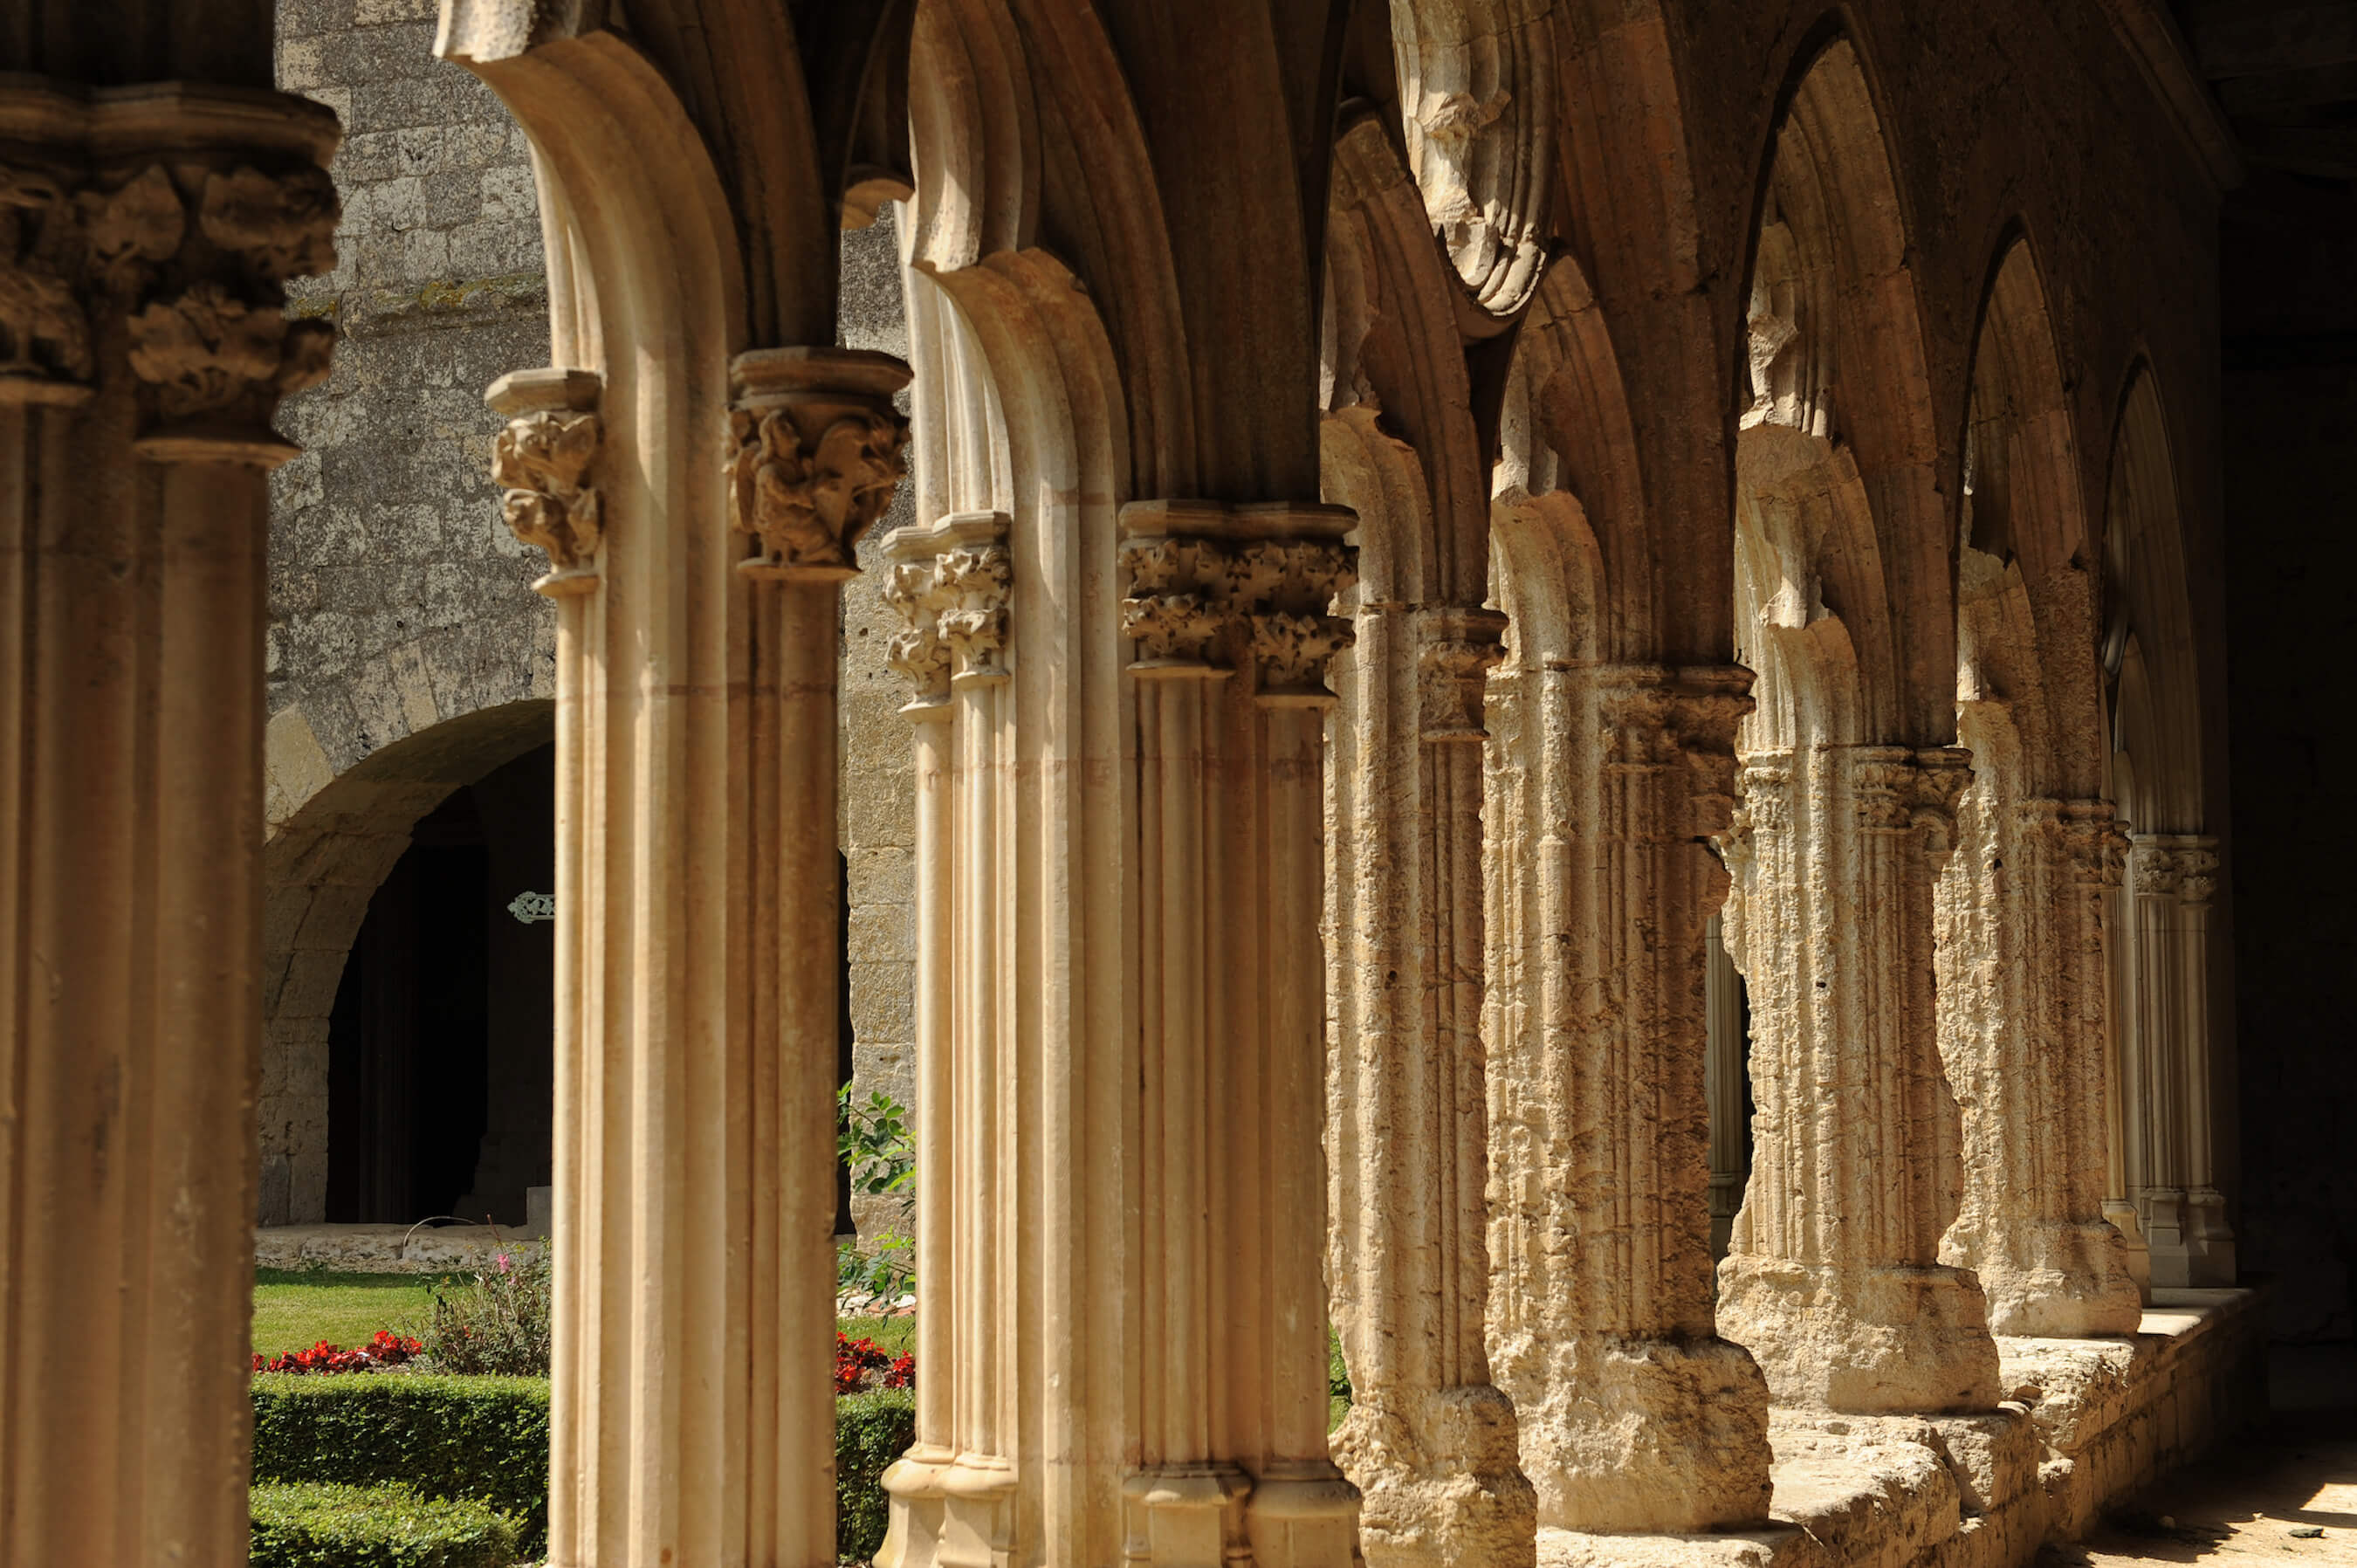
(1249, 587)
(1679, 722)
(2175, 865)
(1894, 788)
(1456, 647)
(541, 462)
(174, 259)
(817, 451)
(951, 583)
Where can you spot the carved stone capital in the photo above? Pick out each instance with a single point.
(2087, 837)
(1456, 647)
(1763, 804)
(951, 582)
(816, 450)
(1228, 587)
(1679, 722)
(2183, 867)
(1896, 789)
(160, 223)
(542, 462)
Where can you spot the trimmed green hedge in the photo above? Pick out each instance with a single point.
(474, 1439)
(871, 1429)
(311, 1524)
(486, 1440)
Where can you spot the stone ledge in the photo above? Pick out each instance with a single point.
(386, 1249)
(2091, 1423)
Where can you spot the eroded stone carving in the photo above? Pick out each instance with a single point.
(1833, 1278)
(1458, 649)
(217, 347)
(1633, 1413)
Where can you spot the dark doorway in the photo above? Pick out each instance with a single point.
(440, 1051)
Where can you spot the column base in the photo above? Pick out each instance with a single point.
(1185, 1515)
(1438, 1479)
(948, 1512)
(1869, 1340)
(1648, 1436)
(915, 1483)
(2061, 1282)
(1303, 1513)
(2123, 1217)
(2162, 1209)
(2209, 1242)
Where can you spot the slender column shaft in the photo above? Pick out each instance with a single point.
(2021, 978)
(1832, 1278)
(2121, 1133)
(1430, 1442)
(2170, 1176)
(1634, 1415)
(134, 446)
(955, 1491)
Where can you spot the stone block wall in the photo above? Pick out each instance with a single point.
(399, 601)
(877, 799)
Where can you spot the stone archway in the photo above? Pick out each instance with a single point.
(334, 837)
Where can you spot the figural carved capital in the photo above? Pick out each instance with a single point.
(817, 451)
(951, 582)
(541, 462)
(1216, 587)
(1456, 647)
(161, 224)
(2086, 838)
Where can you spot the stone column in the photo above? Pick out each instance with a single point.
(1429, 1441)
(2166, 1062)
(697, 948)
(955, 1487)
(1634, 1414)
(1833, 1278)
(145, 235)
(1227, 612)
(1120, 1041)
(2121, 1133)
(1723, 1086)
(2021, 978)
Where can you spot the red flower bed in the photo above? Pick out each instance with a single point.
(863, 1364)
(387, 1349)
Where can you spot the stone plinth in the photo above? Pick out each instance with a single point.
(2085, 1424)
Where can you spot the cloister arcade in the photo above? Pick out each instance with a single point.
(1489, 584)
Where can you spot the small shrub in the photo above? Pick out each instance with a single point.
(479, 1439)
(318, 1525)
(871, 1429)
(872, 1139)
(496, 1325)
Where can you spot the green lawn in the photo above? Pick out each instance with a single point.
(893, 1336)
(296, 1311)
